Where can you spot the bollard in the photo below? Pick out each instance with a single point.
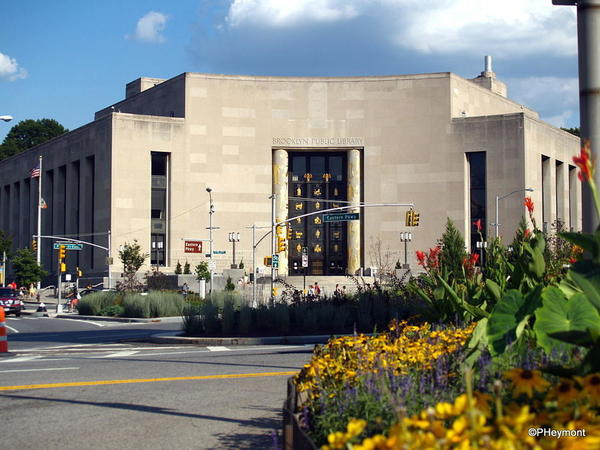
(3, 341)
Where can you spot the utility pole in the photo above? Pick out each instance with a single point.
(588, 38)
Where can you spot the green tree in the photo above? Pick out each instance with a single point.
(202, 272)
(186, 268)
(27, 270)
(132, 257)
(229, 286)
(576, 131)
(178, 268)
(453, 251)
(29, 133)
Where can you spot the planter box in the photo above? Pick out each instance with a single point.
(294, 437)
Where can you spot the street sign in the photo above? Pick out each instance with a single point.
(212, 265)
(68, 246)
(219, 252)
(193, 247)
(340, 217)
(275, 261)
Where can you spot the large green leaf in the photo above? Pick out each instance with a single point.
(477, 342)
(476, 312)
(494, 290)
(558, 314)
(537, 265)
(586, 276)
(506, 316)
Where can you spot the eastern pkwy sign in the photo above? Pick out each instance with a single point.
(340, 217)
(193, 247)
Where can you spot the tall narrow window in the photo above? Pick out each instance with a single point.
(478, 196)
(546, 192)
(572, 197)
(560, 195)
(158, 209)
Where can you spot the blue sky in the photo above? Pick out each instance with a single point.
(69, 58)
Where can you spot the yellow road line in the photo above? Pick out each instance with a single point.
(142, 380)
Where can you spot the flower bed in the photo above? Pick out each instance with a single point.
(405, 389)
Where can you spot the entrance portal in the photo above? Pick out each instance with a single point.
(317, 181)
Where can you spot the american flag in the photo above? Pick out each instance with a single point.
(35, 172)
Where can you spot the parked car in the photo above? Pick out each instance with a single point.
(9, 299)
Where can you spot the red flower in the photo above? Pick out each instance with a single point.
(572, 260)
(584, 162)
(421, 258)
(433, 261)
(477, 224)
(526, 233)
(529, 204)
(474, 258)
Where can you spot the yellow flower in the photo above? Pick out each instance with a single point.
(565, 392)
(591, 387)
(355, 427)
(336, 440)
(526, 381)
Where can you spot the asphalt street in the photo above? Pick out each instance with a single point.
(74, 385)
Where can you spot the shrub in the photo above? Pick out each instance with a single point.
(186, 268)
(178, 268)
(245, 319)
(229, 286)
(228, 317)
(92, 304)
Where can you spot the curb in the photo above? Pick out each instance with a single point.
(172, 338)
(119, 319)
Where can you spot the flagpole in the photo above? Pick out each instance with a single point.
(39, 222)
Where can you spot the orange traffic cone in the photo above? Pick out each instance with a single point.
(3, 341)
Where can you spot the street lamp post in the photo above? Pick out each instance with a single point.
(406, 237)
(498, 198)
(210, 237)
(233, 238)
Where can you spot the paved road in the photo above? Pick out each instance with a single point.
(72, 393)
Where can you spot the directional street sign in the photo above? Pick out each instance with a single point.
(219, 252)
(340, 217)
(68, 246)
(193, 247)
(275, 261)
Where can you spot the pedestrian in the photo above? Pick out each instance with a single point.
(184, 290)
(343, 291)
(311, 291)
(317, 289)
(12, 285)
(31, 290)
(338, 290)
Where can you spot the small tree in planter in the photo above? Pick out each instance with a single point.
(186, 269)
(229, 286)
(132, 258)
(178, 268)
(202, 272)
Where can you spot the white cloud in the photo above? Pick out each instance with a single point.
(509, 27)
(555, 98)
(281, 13)
(9, 68)
(150, 27)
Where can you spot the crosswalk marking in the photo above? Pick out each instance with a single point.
(218, 349)
(20, 359)
(118, 354)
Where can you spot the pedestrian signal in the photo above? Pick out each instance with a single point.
(267, 261)
(63, 267)
(34, 245)
(79, 272)
(290, 232)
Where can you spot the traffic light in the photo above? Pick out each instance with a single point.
(34, 245)
(281, 244)
(409, 217)
(62, 253)
(415, 219)
(290, 232)
(63, 267)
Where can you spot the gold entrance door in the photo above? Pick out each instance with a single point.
(317, 181)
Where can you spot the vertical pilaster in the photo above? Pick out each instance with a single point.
(354, 199)
(280, 188)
